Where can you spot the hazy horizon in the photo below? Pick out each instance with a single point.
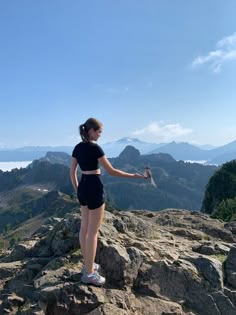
(8, 166)
(100, 142)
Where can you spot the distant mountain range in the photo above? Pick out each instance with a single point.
(179, 151)
(30, 153)
(179, 185)
(113, 149)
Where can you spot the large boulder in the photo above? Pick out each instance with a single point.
(230, 267)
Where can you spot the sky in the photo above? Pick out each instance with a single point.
(156, 70)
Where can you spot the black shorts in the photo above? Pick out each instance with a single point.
(90, 191)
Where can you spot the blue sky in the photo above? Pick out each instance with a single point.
(157, 70)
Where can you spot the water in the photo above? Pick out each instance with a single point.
(8, 166)
(197, 161)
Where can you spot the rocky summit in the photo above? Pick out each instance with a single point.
(171, 262)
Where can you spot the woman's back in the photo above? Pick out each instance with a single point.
(87, 155)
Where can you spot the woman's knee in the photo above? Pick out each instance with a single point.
(92, 233)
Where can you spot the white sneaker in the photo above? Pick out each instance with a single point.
(95, 279)
(96, 267)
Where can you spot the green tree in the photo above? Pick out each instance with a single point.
(12, 242)
(226, 210)
(221, 186)
(8, 226)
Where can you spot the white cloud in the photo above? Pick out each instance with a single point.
(225, 51)
(159, 131)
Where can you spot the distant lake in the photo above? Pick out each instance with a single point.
(8, 166)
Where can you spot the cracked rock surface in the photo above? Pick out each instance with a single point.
(171, 262)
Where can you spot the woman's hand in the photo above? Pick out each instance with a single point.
(137, 175)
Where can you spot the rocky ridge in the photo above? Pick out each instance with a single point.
(172, 262)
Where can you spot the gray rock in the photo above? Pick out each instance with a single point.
(9, 269)
(230, 267)
(180, 282)
(150, 305)
(223, 303)
(231, 226)
(222, 249)
(193, 235)
(204, 249)
(211, 249)
(151, 261)
(210, 269)
(114, 268)
(219, 233)
(11, 303)
(21, 250)
(231, 294)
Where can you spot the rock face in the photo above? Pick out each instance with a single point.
(173, 262)
(129, 154)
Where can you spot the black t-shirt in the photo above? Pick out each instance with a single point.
(87, 155)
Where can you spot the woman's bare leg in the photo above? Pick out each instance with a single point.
(83, 229)
(95, 221)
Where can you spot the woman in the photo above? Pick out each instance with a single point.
(88, 155)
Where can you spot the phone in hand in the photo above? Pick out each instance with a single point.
(148, 174)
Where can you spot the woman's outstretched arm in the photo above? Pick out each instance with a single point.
(116, 172)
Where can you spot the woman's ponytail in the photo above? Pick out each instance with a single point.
(83, 133)
(84, 128)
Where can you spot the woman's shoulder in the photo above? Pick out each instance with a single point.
(81, 143)
(98, 149)
(95, 145)
(78, 146)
